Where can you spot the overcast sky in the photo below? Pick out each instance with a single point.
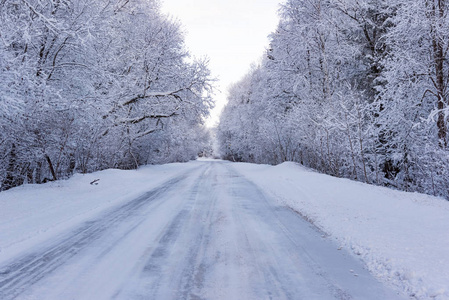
(232, 33)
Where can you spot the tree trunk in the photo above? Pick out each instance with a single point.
(50, 165)
(438, 14)
(11, 179)
(351, 147)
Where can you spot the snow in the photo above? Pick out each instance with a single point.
(31, 214)
(401, 237)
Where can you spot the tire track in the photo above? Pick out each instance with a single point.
(170, 272)
(20, 275)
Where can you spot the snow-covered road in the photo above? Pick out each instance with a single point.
(208, 233)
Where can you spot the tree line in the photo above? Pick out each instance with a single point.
(351, 88)
(92, 84)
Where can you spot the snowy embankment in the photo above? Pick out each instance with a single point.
(403, 238)
(31, 214)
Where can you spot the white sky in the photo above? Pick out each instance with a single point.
(232, 33)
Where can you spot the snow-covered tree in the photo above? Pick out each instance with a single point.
(85, 84)
(350, 88)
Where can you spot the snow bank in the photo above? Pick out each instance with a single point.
(403, 238)
(31, 214)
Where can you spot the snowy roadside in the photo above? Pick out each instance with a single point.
(31, 214)
(401, 237)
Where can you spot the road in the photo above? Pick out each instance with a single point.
(206, 234)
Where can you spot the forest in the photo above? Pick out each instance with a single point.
(87, 85)
(351, 88)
